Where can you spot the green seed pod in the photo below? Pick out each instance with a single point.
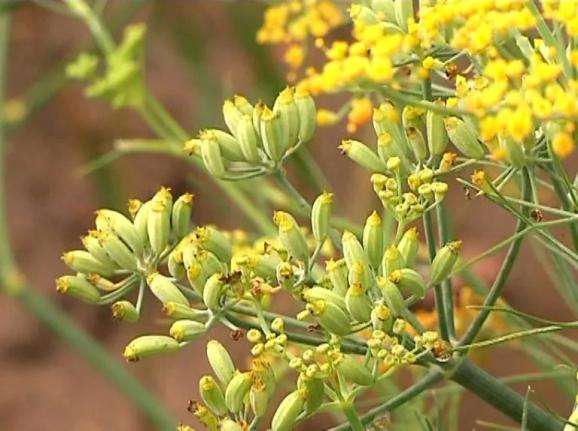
(187, 330)
(237, 389)
(289, 114)
(354, 371)
(416, 142)
(315, 390)
(176, 310)
(373, 239)
(362, 155)
(212, 395)
(125, 311)
(249, 140)
(287, 412)
(259, 399)
(93, 246)
(437, 138)
(307, 115)
(141, 220)
(392, 260)
(108, 220)
(175, 265)
(232, 116)
(159, 226)
(149, 345)
(181, 215)
(291, 236)
(385, 10)
(352, 249)
(265, 265)
(320, 214)
(514, 152)
(275, 142)
(229, 145)
(83, 261)
(403, 13)
(386, 119)
(360, 273)
(78, 287)
(357, 303)
(392, 296)
(408, 246)
(332, 317)
(118, 251)
(213, 291)
(220, 361)
(464, 138)
(318, 293)
(230, 425)
(409, 280)
(214, 241)
(211, 154)
(381, 318)
(165, 290)
(256, 117)
(444, 262)
(103, 283)
(338, 273)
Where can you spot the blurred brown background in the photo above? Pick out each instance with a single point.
(199, 52)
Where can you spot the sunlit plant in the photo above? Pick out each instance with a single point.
(485, 91)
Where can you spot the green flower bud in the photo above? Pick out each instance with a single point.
(237, 389)
(332, 317)
(83, 261)
(125, 311)
(275, 142)
(338, 272)
(82, 67)
(352, 249)
(392, 296)
(78, 287)
(181, 215)
(291, 236)
(176, 310)
(444, 262)
(381, 318)
(373, 239)
(392, 260)
(362, 155)
(108, 220)
(214, 241)
(213, 291)
(307, 115)
(141, 216)
(159, 221)
(175, 264)
(410, 280)
(464, 138)
(212, 395)
(321, 294)
(93, 246)
(440, 189)
(437, 138)
(287, 412)
(187, 330)
(403, 13)
(230, 425)
(220, 361)
(416, 142)
(248, 140)
(165, 290)
(149, 345)
(289, 113)
(118, 251)
(354, 371)
(259, 399)
(211, 154)
(408, 246)
(320, 214)
(514, 152)
(357, 303)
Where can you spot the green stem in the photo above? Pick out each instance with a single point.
(447, 288)
(352, 416)
(284, 182)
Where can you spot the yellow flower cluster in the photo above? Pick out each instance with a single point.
(294, 22)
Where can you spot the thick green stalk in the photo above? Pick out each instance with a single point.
(11, 282)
